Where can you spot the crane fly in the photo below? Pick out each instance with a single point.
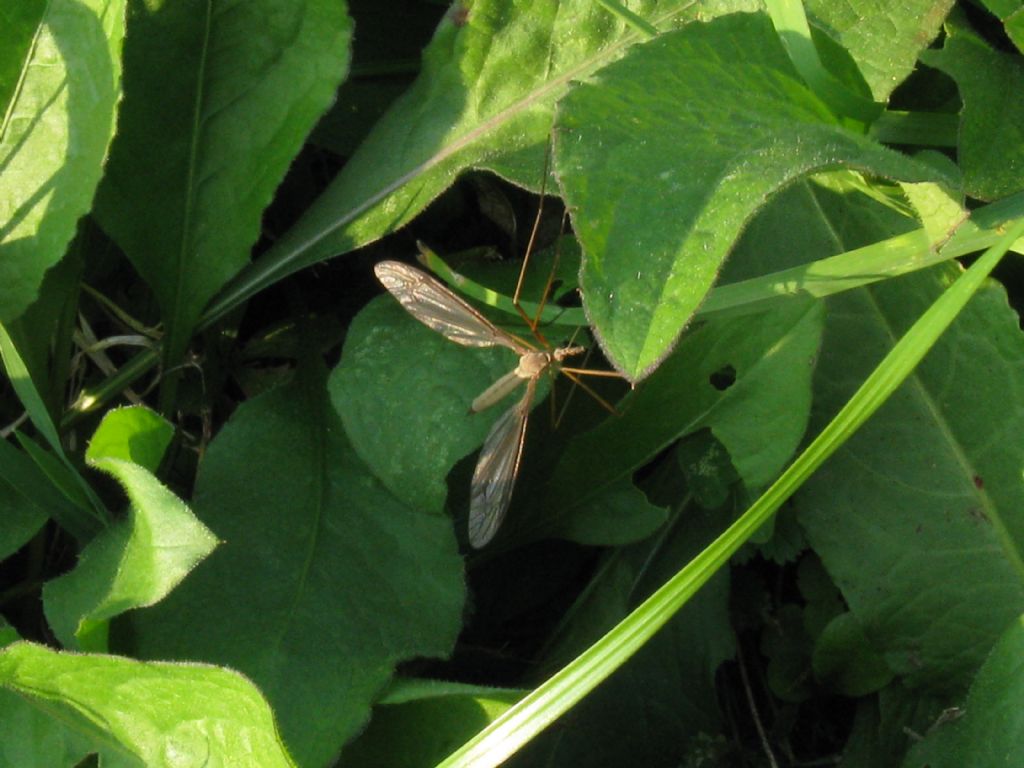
(438, 308)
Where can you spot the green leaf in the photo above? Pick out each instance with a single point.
(27, 499)
(417, 722)
(20, 379)
(484, 99)
(666, 154)
(845, 660)
(989, 729)
(620, 515)
(1011, 13)
(43, 333)
(887, 724)
(137, 561)
(991, 145)
(885, 40)
(1014, 24)
(658, 708)
(31, 736)
(149, 714)
(134, 434)
(403, 393)
(928, 485)
(325, 580)
(748, 380)
(219, 98)
(573, 682)
(839, 85)
(59, 110)
(85, 510)
(385, 60)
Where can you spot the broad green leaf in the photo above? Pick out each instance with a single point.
(219, 98)
(568, 686)
(746, 378)
(325, 581)
(134, 434)
(884, 39)
(137, 561)
(659, 707)
(1014, 24)
(620, 515)
(991, 144)
(845, 660)
(157, 715)
(941, 214)
(989, 729)
(30, 736)
(664, 156)
(1003, 8)
(931, 486)
(484, 99)
(59, 110)
(886, 725)
(418, 722)
(403, 393)
(1011, 13)
(18, 28)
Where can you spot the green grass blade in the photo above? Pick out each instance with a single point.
(518, 725)
(628, 17)
(889, 258)
(26, 390)
(795, 33)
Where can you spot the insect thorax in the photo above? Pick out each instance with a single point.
(532, 364)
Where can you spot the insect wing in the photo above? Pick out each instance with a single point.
(436, 307)
(496, 470)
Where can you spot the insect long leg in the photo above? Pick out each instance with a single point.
(551, 275)
(533, 322)
(594, 372)
(573, 374)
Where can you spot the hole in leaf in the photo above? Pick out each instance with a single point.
(723, 378)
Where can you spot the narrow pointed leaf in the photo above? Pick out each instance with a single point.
(219, 97)
(484, 99)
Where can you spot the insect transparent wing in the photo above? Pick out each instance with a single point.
(496, 470)
(438, 308)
